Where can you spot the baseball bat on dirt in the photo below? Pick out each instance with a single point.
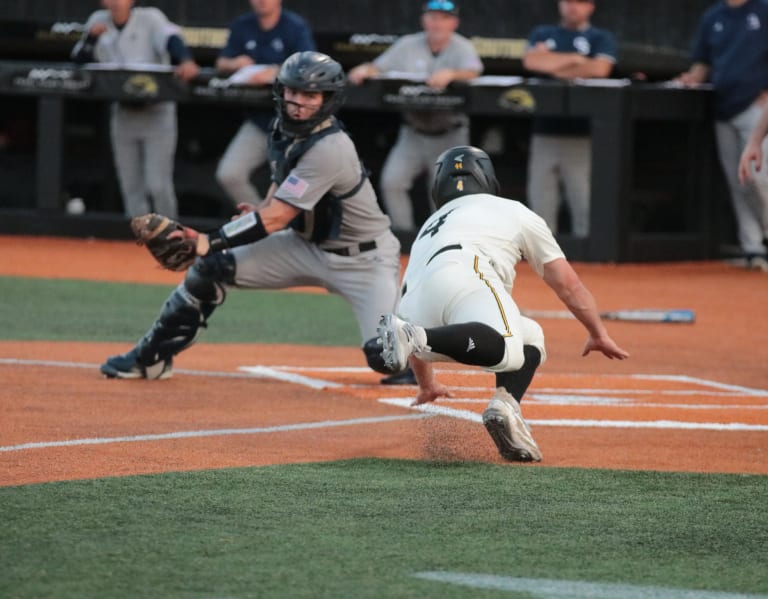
(682, 316)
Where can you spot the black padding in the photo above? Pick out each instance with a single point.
(372, 350)
(175, 329)
(472, 343)
(206, 279)
(517, 382)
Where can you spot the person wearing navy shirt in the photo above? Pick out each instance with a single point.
(258, 41)
(561, 148)
(731, 52)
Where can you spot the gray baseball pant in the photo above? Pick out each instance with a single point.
(554, 159)
(413, 154)
(144, 147)
(750, 201)
(369, 281)
(246, 152)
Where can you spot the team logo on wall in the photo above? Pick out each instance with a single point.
(141, 86)
(421, 95)
(51, 79)
(517, 100)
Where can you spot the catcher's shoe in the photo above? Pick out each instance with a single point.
(127, 366)
(510, 433)
(406, 377)
(399, 340)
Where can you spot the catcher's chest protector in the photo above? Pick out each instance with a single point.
(284, 154)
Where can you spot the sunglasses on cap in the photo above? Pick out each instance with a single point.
(442, 6)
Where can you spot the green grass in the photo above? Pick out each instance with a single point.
(67, 310)
(358, 528)
(362, 528)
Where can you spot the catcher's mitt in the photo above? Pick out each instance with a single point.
(173, 245)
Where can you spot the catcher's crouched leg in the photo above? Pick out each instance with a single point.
(176, 328)
(188, 308)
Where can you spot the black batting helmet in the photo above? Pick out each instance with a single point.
(463, 170)
(309, 71)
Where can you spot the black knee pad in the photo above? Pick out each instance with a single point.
(372, 350)
(207, 277)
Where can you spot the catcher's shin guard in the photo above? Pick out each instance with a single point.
(516, 382)
(187, 309)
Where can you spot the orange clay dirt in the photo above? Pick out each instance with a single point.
(690, 398)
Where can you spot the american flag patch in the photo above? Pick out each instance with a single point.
(294, 185)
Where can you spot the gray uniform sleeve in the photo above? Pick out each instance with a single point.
(161, 28)
(398, 57)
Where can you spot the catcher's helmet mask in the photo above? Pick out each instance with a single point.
(313, 72)
(463, 170)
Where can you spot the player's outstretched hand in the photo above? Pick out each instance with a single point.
(431, 393)
(606, 346)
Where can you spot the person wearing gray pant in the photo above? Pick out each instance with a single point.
(143, 133)
(259, 41)
(561, 148)
(731, 52)
(441, 56)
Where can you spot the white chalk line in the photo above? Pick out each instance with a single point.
(610, 402)
(440, 410)
(211, 433)
(547, 588)
(283, 373)
(261, 371)
(479, 372)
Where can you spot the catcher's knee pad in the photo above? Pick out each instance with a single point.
(207, 278)
(372, 350)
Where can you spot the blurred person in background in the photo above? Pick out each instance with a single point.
(561, 148)
(441, 56)
(143, 132)
(258, 41)
(731, 52)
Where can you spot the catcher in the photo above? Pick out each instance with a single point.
(320, 225)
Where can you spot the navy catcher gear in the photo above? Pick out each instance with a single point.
(313, 72)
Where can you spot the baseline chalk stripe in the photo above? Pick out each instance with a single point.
(545, 588)
(211, 433)
(440, 410)
(289, 377)
(697, 381)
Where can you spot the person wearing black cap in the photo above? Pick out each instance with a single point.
(441, 56)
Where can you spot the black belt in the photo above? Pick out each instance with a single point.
(445, 248)
(353, 250)
(437, 133)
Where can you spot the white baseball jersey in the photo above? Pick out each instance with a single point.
(411, 54)
(143, 40)
(462, 267)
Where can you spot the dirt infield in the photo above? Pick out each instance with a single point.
(691, 397)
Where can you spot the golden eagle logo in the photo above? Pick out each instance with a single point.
(141, 86)
(518, 100)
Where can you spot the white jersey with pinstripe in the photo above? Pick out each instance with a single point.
(462, 266)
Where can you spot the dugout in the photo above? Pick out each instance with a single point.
(670, 199)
